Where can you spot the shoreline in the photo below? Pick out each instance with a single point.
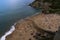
(13, 27)
(8, 32)
(44, 23)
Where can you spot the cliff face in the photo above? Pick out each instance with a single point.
(38, 27)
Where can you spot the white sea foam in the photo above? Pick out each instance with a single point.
(8, 33)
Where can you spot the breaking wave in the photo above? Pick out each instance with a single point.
(8, 33)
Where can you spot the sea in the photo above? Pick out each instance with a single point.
(11, 11)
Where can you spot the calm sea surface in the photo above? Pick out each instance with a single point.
(12, 11)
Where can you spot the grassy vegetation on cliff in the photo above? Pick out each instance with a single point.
(48, 6)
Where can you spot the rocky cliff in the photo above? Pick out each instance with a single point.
(37, 27)
(47, 6)
(35, 4)
(42, 5)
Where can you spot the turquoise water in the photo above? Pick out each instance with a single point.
(12, 11)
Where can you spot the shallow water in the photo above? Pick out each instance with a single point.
(12, 11)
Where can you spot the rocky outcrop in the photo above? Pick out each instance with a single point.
(37, 27)
(40, 4)
(47, 6)
(35, 4)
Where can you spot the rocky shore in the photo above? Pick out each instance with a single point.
(38, 27)
(36, 4)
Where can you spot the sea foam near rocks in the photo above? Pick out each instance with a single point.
(8, 33)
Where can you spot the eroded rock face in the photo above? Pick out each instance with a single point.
(38, 27)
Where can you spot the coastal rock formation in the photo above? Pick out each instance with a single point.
(42, 5)
(47, 6)
(37, 27)
(35, 4)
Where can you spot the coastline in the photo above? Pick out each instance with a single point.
(46, 22)
(36, 27)
(8, 33)
(13, 28)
